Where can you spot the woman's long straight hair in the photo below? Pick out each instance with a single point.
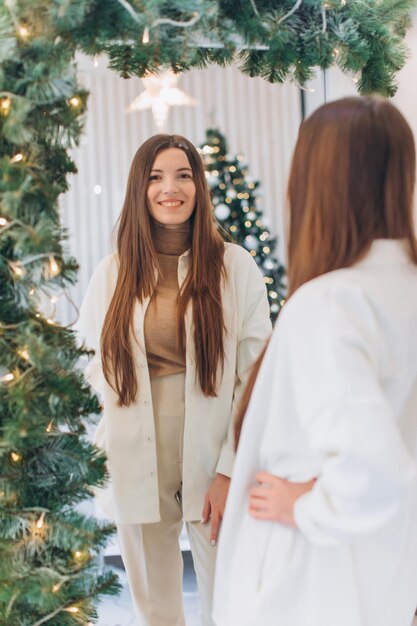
(352, 181)
(138, 270)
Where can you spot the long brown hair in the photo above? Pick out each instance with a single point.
(138, 270)
(352, 181)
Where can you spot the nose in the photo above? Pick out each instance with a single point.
(170, 185)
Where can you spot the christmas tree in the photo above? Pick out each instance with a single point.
(49, 567)
(235, 208)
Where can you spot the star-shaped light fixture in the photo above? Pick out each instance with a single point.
(160, 94)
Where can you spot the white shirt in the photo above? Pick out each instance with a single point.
(127, 434)
(336, 398)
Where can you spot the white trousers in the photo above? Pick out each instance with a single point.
(151, 552)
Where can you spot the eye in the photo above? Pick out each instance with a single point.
(154, 177)
(186, 175)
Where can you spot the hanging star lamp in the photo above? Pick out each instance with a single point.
(160, 94)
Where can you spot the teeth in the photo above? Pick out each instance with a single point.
(169, 204)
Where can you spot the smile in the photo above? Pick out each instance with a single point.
(174, 203)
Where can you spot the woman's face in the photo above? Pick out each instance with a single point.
(171, 189)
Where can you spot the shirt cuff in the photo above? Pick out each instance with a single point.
(225, 462)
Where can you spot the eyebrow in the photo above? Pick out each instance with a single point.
(180, 169)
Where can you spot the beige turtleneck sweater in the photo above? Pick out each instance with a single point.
(162, 347)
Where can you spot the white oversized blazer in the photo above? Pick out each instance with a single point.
(127, 434)
(336, 398)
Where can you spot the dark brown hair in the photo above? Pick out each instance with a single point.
(137, 276)
(351, 181)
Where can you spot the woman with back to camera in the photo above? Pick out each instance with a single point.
(320, 523)
(176, 318)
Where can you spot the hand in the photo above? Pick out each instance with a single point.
(274, 498)
(214, 504)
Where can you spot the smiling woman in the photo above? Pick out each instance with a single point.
(176, 317)
(171, 191)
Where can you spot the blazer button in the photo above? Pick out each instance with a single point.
(142, 365)
(148, 438)
(146, 403)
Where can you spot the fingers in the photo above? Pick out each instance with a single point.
(215, 523)
(206, 511)
(265, 478)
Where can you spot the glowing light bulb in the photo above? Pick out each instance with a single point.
(17, 158)
(5, 105)
(7, 378)
(17, 268)
(16, 457)
(53, 266)
(145, 36)
(39, 523)
(72, 609)
(24, 353)
(24, 32)
(3, 221)
(74, 101)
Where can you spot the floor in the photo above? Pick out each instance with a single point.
(119, 611)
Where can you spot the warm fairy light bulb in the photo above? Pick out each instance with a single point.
(78, 554)
(50, 321)
(50, 426)
(17, 158)
(5, 105)
(39, 523)
(16, 457)
(54, 300)
(266, 249)
(24, 31)
(17, 268)
(24, 353)
(56, 587)
(53, 266)
(273, 294)
(145, 36)
(74, 101)
(72, 609)
(7, 378)
(3, 221)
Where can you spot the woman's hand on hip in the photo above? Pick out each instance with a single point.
(214, 504)
(274, 498)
